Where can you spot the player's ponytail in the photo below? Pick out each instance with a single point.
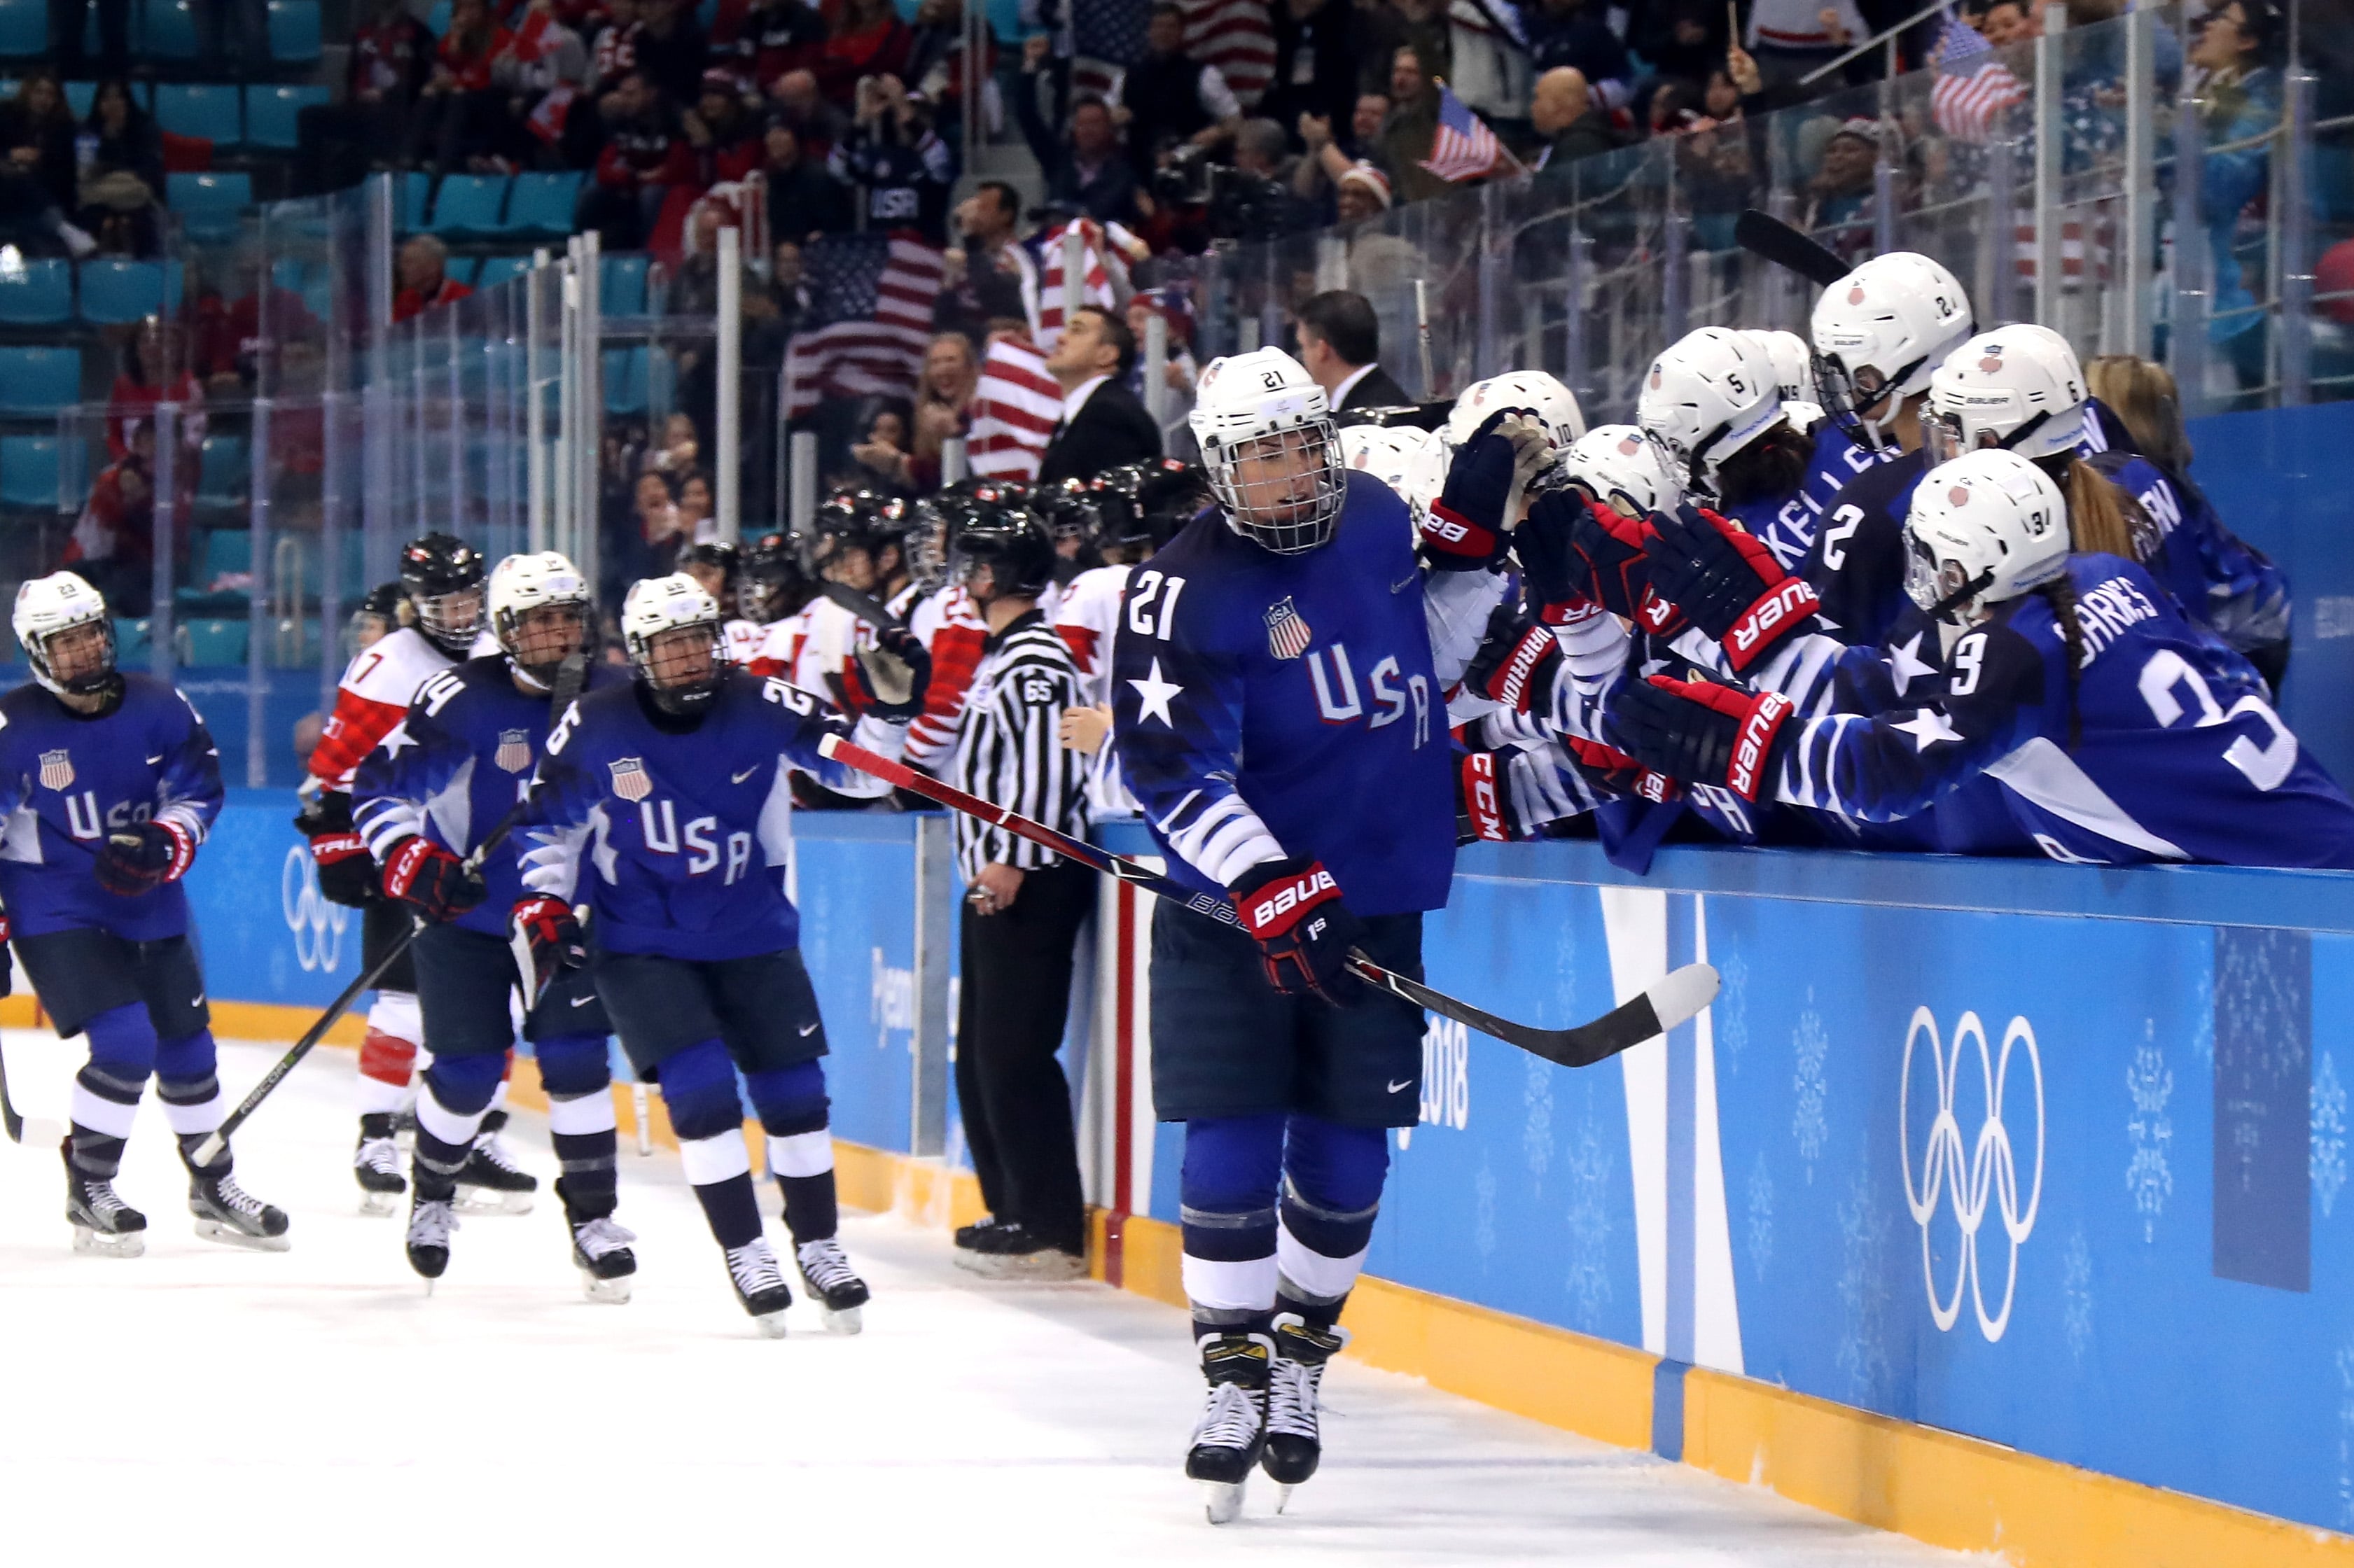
(1774, 465)
(2059, 593)
(2101, 519)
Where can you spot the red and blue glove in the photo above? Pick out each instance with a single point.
(1517, 663)
(1293, 910)
(1614, 772)
(1728, 582)
(544, 937)
(1468, 526)
(1483, 806)
(346, 870)
(1700, 732)
(143, 856)
(430, 880)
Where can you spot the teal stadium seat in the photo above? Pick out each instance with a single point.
(132, 647)
(205, 109)
(25, 29)
(115, 290)
(169, 31)
(225, 468)
(626, 376)
(622, 284)
(416, 195)
(460, 268)
(541, 204)
(29, 472)
(211, 205)
(497, 270)
(37, 294)
(295, 33)
(40, 381)
(469, 205)
(272, 115)
(213, 644)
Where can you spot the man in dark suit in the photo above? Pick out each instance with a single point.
(1340, 343)
(1103, 425)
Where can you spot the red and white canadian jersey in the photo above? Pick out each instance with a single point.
(780, 644)
(822, 666)
(373, 701)
(1087, 619)
(739, 641)
(953, 632)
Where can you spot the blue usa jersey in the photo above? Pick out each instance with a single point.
(1840, 460)
(1856, 560)
(456, 766)
(2221, 582)
(2174, 753)
(673, 832)
(68, 779)
(1269, 705)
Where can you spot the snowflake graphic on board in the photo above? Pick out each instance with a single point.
(2328, 1133)
(2150, 1081)
(1483, 1224)
(1536, 1133)
(2076, 1294)
(2346, 1434)
(1731, 1012)
(1761, 1215)
(1864, 1295)
(1589, 1169)
(1806, 1123)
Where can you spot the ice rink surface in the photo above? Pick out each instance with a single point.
(204, 1405)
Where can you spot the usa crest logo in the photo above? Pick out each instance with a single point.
(1287, 634)
(631, 781)
(57, 769)
(513, 754)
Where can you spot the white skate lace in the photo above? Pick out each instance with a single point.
(379, 1155)
(491, 1151)
(754, 1268)
(430, 1222)
(1291, 1396)
(824, 1265)
(1232, 1419)
(237, 1199)
(103, 1203)
(601, 1237)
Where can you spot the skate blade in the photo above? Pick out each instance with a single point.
(770, 1324)
(490, 1201)
(611, 1292)
(1047, 1267)
(845, 1321)
(378, 1205)
(1283, 1490)
(130, 1244)
(1222, 1502)
(229, 1235)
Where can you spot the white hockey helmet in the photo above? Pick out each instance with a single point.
(2017, 387)
(1260, 412)
(684, 673)
(1983, 529)
(1706, 397)
(1400, 456)
(1624, 469)
(1883, 329)
(1802, 414)
(1792, 360)
(1554, 406)
(521, 584)
(58, 603)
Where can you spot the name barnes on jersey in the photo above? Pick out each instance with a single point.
(1293, 699)
(68, 779)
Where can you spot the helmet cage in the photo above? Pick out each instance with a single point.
(1270, 509)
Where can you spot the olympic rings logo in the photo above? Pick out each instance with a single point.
(1986, 1171)
(318, 925)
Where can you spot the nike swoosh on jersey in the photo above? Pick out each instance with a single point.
(739, 777)
(582, 1001)
(1408, 581)
(1400, 1084)
(809, 1030)
(154, 760)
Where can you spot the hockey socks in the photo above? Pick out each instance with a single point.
(389, 1052)
(578, 1077)
(450, 1113)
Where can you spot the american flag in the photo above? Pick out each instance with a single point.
(1095, 287)
(1973, 87)
(1015, 408)
(1235, 36)
(1465, 148)
(875, 294)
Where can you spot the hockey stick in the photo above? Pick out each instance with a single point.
(570, 678)
(31, 1132)
(1762, 234)
(1663, 1004)
(866, 607)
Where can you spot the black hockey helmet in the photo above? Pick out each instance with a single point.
(1148, 502)
(722, 558)
(442, 575)
(852, 519)
(1068, 509)
(1010, 541)
(931, 525)
(773, 585)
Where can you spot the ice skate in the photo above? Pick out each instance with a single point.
(600, 1251)
(833, 1284)
(490, 1182)
(430, 1221)
(227, 1214)
(760, 1285)
(1233, 1429)
(376, 1165)
(103, 1225)
(1013, 1251)
(1296, 1376)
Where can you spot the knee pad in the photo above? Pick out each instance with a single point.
(571, 1065)
(698, 1085)
(790, 1100)
(188, 1060)
(1335, 1168)
(122, 1044)
(464, 1084)
(1226, 1203)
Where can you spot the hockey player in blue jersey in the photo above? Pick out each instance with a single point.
(440, 780)
(1715, 404)
(665, 809)
(2117, 731)
(1279, 696)
(108, 783)
(1879, 334)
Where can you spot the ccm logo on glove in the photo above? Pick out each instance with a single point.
(1793, 597)
(1756, 735)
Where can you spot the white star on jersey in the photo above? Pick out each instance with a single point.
(1905, 658)
(1927, 728)
(1155, 693)
(394, 742)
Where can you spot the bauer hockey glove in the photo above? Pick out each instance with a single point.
(1517, 663)
(143, 856)
(544, 937)
(1700, 732)
(1613, 772)
(346, 871)
(1468, 527)
(430, 880)
(894, 675)
(1293, 910)
(1604, 557)
(1728, 582)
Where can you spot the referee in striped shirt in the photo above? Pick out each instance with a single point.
(1023, 913)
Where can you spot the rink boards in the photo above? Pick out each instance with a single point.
(2037, 1155)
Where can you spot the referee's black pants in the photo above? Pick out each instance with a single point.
(1014, 998)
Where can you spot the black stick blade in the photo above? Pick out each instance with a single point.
(1666, 1003)
(1762, 234)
